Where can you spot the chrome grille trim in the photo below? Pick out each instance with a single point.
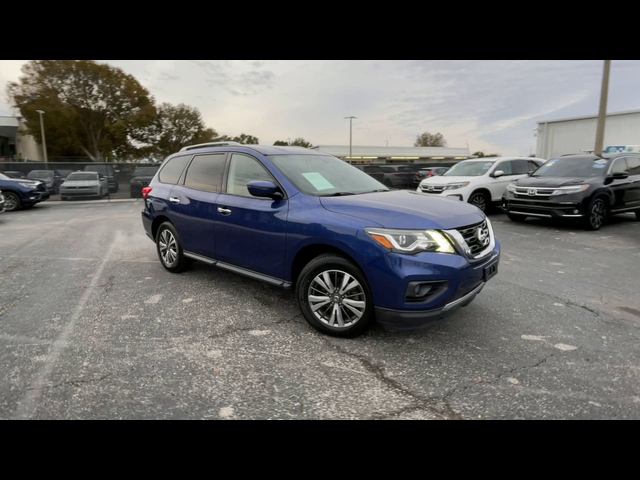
(466, 238)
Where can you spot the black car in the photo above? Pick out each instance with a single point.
(373, 171)
(428, 173)
(584, 187)
(106, 171)
(51, 179)
(141, 179)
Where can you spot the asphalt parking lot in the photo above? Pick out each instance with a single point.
(92, 327)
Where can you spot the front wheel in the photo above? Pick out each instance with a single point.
(479, 200)
(170, 250)
(11, 202)
(597, 214)
(335, 298)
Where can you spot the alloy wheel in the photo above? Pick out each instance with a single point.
(480, 202)
(168, 248)
(598, 212)
(10, 202)
(337, 299)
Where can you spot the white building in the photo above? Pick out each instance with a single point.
(15, 142)
(577, 135)
(404, 155)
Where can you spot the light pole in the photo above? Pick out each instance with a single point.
(602, 116)
(351, 119)
(44, 140)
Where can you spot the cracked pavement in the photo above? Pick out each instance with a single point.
(91, 327)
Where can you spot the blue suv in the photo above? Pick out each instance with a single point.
(354, 250)
(21, 193)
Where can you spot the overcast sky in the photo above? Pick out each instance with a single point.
(491, 105)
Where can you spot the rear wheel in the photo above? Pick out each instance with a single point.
(170, 249)
(597, 214)
(480, 200)
(11, 201)
(517, 218)
(335, 298)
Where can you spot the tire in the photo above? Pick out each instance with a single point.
(12, 202)
(352, 308)
(170, 250)
(596, 215)
(480, 200)
(517, 218)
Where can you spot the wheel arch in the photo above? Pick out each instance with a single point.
(309, 252)
(159, 220)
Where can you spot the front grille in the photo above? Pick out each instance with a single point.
(534, 192)
(477, 237)
(432, 188)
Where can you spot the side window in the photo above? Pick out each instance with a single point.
(634, 165)
(506, 168)
(205, 173)
(172, 171)
(243, 170)
(520, 167)
(620, 165)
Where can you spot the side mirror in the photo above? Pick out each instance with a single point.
(498, 174)
(264, 190)
(620, 175)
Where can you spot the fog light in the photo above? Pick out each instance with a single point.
(576, 212)
(423, 292)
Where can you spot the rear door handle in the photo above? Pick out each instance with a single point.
(175, 201)
(224, 211)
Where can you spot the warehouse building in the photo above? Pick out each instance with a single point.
(397, 155)
(15, 142)
(576, 135)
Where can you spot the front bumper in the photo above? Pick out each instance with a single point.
(564, 206)
(80, 192)
(35, 197)
(391, 275)
(459, 194)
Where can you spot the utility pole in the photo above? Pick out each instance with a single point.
(351, 119)
(602, 116)
(44, 140)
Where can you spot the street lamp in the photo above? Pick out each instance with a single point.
(602, 116)
(44, 140)
(351, 119)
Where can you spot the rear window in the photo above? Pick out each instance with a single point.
(40, 174)
(172, 171)
(205, 173)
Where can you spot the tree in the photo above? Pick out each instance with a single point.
(246, 139)
(175, 127)
(430, 140)
(91, 109)
(298, 142)
(483, 155)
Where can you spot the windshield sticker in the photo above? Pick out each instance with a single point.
(601, 162)
(318, 181)
(598, 165)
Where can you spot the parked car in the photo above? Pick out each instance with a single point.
(374, 171)
(584, 187)
(480, 182)
(21, 193)
(1, 202)
(428, 173)
(398, 176)
(354, 250)
(84, 185)
(65, 173)
(17, 175)
(141, 179)
(107, 171)
(51, 179)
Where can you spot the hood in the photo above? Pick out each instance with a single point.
(406, 210)
(80, 183)
(15, 181)
(440, 180)
(555, 182)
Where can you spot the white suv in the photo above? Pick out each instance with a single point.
(481, 182)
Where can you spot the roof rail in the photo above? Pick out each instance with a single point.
(212, 144)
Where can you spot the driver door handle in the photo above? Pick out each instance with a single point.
(224, 211)
(175, 201)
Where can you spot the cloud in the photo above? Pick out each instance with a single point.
(491, 105)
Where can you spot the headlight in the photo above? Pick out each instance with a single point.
(569, 190)
(411, 241)
(456, 186)
(511, 187)
(32, 186)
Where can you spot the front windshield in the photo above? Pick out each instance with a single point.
(321, 175)
(82, 177)
(40, 174)
(573, 167)
(469, 169)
